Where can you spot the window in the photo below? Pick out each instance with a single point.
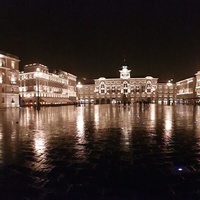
(13, 64)
(2, 62)
(102, 88)
(132, 90)
(118, 90)
(113, 89)
(125, 85)
(143, 88)
(137, 88)
(13, 79)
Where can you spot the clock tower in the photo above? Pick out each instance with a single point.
(125, 73)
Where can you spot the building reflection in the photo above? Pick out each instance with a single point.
(43, 136)
(80, 125)
(152, 117)
(197, 120)
(96, 117)
(9, 135)
(168, 122)
(40, 144)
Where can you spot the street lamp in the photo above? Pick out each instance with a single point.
(78, 86)
(37, 74)
(169, 84)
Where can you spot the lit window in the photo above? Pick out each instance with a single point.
(137, 88)
(12, 64)
(125, 90)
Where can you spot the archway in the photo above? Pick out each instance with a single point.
(97, 101)
(103, 101)
(108, 101)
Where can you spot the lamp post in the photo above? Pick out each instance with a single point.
(78, 86)
(169, 84)
(38, 88)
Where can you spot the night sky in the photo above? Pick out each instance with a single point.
(92, 38)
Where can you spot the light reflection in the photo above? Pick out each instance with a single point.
(196, 119)
(39, 145)
(80, 124)
(168, 122)
(125, 122)
(152, 122)
(96, 117)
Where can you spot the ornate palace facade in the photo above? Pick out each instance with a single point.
(114, 90)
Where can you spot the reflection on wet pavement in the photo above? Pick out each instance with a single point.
(100, 152)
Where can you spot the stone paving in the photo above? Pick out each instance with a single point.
(67, 153)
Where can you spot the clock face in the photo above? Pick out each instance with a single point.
(125, 75)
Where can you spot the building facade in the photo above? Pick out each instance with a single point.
(85, 93)
(125, 88)
(38, 86)
(197, 88)
(9, 81)
(188, 90)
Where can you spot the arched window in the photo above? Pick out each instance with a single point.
(149, 86)
(137, 88)
(125, 84)
(102, 87)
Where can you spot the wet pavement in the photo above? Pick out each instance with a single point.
(100, 152)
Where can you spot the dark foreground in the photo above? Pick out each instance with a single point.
(100, 152)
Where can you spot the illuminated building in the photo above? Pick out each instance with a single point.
(166, 93)
(197, 87)
(39, 86)
(113, 90)
(188, 90)
(9, 83)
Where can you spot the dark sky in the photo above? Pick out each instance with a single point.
(91, 38)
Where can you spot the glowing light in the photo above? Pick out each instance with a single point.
(180, 169)
(79, 85)
(169, 83)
